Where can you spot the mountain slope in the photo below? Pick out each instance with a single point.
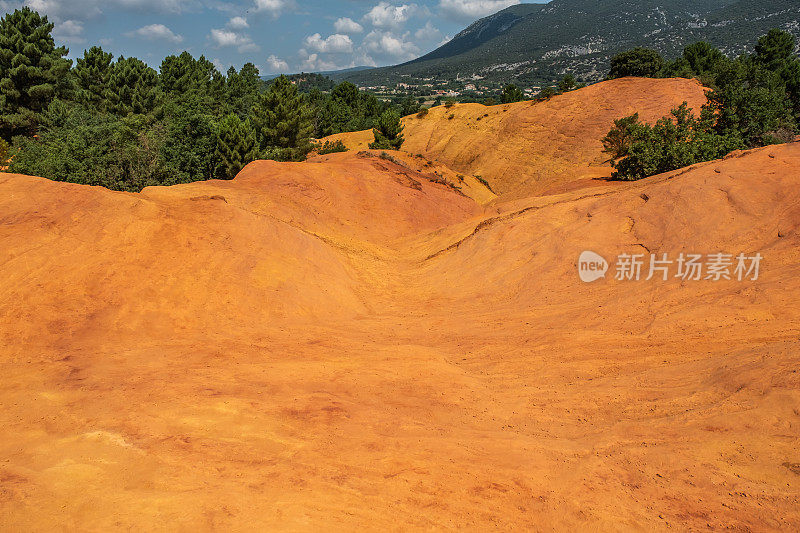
(538, 43)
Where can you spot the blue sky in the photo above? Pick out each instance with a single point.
(276, 35)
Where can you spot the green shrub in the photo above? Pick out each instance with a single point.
(3, 154)
(97, 149)
(449, 103)
(422, 113)
(236, 146)
(546, 94)
(485, 183)
(637, 62)
(332, 147)
(511, 94)
(755, 101)
(681, 139)
(388, 132)
(567, 83)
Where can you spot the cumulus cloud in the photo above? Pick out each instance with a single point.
(315, 63)
(391, 45)
(347, 25)
(385, 15)
(69, 30)
(473, 9)
(277, 65)
(228, 38)
(333, 44)
(157, 32)
(238, 23)
(427, 32)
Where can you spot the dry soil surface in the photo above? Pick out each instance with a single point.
(346, 344)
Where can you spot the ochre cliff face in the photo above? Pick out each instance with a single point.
(346, 343)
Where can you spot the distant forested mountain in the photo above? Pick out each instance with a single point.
(541, 42)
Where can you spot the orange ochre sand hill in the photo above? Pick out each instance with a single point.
(369, 342)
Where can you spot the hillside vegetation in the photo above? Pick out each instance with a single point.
(535, 44)
(123, 125)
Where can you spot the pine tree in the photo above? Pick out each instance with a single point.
(282, 121)
(134, 87)
(511, 94)
(567, 83)
(236, 146)
(93, 75)
(642, 62)
(3, 155)
(242, 88)
(185, 78)
(775, 49)
(388, 132)
(32, 71)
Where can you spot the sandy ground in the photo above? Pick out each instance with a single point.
(346, 344)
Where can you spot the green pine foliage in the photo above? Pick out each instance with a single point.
(345, 109)
(282, 121)
(681, 139)
(93, 76)
(511, 94)
(123, 125)
(188, 152)
(80, 146)
(33, 71)
(388, 132)
(332, 148)
(4, 154)
(242, 89)
(134, 88)
(236, 146)
(567, 83)
(755, 102)
(640, 61)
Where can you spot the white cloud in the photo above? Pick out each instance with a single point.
(427, 33)
(473, 9)
(69, 30)
(225, 38)
(62, 10)
(314, 63)
(274, 7)
(157, 32)
(347, 25)
(238, 23)
(58, 10)
(219, 65)
(333, 44)
(277, 65)
(385, 15)
(396, 47)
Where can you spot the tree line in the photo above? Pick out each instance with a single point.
(121, 124)
(754, 100)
